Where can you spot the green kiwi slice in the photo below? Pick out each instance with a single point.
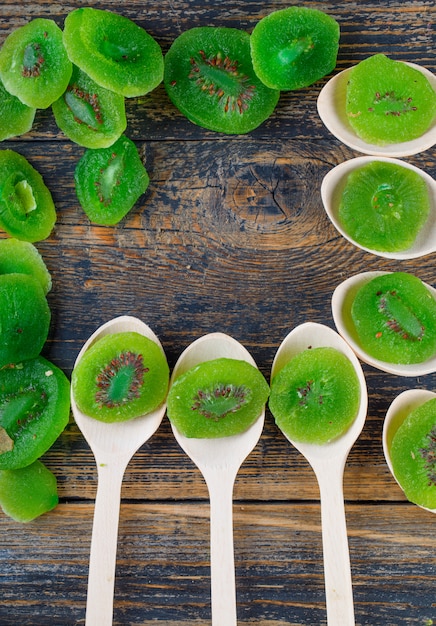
(27, 210)
(114, 51)
(22, 257)
(16, 118)
(413, 455)
(88, 114)
(384, 206)
(34, 65)
(109, 181)
(315, 396)
(122, 376)
(389, 101)
(217, 398)
(24, 318)
(294, 47)
(34, 410)
(394, 316)
(209, 77)
(28, 492)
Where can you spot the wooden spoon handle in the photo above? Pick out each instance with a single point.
(101, 577)
(223, 589)
(337, 570)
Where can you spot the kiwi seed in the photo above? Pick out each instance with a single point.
(217, 402)
(120, 380)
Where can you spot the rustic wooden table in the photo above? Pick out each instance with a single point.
(230, 236)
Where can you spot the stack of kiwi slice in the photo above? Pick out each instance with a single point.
(34, 393)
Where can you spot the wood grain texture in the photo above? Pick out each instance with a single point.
(231, 235)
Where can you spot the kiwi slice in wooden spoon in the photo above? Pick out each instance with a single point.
(209, 77)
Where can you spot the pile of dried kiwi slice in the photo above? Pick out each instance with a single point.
(34, 393)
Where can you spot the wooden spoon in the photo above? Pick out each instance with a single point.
(400, 408)
(328, 462)
(219, 461)
(113, 445)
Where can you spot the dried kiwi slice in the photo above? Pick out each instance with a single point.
(89, 114)
(315, 396)
(28, 492)
(16, 117)
(109, 181)
(294, 47)
(34, 410)
(34, 65)
(122, 376)
(389, 101)
(112, 49)
(217, 398)
(209, 77)
(413, 455)
(22, 257)
(384, 206)
(24, 318)
(27, 210)
(394, 316)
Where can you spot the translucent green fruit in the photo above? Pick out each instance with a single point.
(294, 47)
(24, 318)
(34, 410)
(209, 77)
(109, 181)
(395, 318)
(384, 206)
(315, 397)
(114, 51)
(27, 210)
(34, 65)
(413, 455)
(217, 398)
(121, 376)
(21, 257)
(89, 114)
(388, 101)
(16, 117)
(28, 492)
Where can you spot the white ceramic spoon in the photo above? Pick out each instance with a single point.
(333, 185)
(113, 445)
(219, 461)
(331, 109)
(403, 404)
(342, 300)
(328, 463)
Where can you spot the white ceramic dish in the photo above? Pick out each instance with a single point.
(333, 185)
(395, 416)
(331, 109)
(342, 300)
